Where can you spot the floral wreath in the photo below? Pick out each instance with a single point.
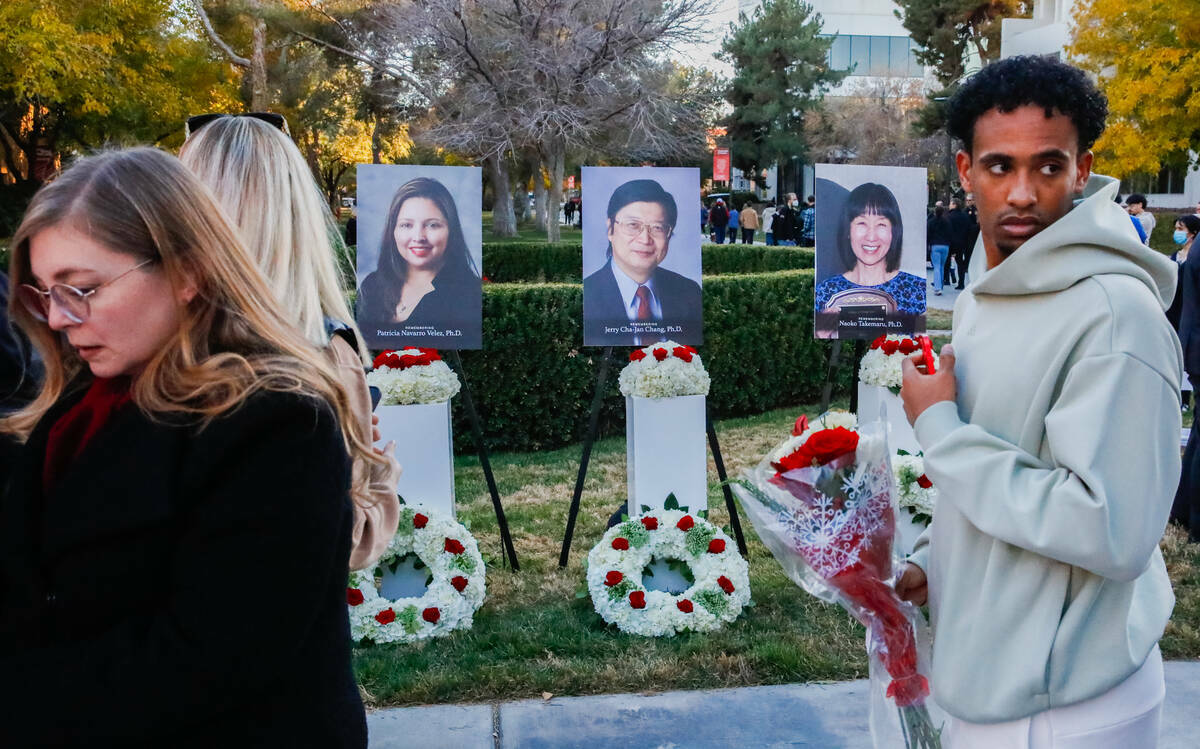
(880, 366)
(718, 593)
(413, 375)
(664, 370)
(452, 597)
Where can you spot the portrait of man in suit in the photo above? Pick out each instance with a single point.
(632, 300)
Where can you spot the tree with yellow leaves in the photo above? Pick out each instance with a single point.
(1147, 57)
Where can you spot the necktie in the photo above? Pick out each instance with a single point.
(643, 299)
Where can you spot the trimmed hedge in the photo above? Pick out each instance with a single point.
(562, 262)
(533, 381)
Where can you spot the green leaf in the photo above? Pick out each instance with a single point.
(672, 503)
(646, 509)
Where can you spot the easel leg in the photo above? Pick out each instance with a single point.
(827, 391)
(860, 348)
(589, 440)
(485, 463)
(734, 521)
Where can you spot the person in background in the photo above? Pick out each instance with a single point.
(749, 221)
(808, 223)
(733, 223)
(718, 219)
(790, 234)
(960, 234)
(351, 235)
(1185, 510)
(263, 182)
(186, 440)
(1042, 569)
(768, 219)
(19, 376)
(703, 219)
(1136, 204)
(939, 235)
(1187, 227)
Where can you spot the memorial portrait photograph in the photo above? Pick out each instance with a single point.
(641, 256)
(870, 245)
(420, 256)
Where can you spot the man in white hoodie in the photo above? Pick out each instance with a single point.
(1052, 434)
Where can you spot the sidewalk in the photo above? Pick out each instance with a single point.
(789, 715)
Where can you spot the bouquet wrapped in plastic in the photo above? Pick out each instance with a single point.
(823, 503)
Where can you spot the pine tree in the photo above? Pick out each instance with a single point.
(781, 71)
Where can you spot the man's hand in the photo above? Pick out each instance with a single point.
(913, 586)
(919, 390)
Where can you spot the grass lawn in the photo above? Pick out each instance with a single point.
(938, 319)
(533, 635)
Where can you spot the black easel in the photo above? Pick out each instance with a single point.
(860, 349)
(734, 521)
(589, 440)
(481, 446)
(593, 422)
(835, 355)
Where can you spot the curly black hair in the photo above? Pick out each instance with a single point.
(1028, 79)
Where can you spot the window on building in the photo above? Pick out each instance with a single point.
(1168, 181)
(875, 55)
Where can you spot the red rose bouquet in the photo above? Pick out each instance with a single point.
(823, 503)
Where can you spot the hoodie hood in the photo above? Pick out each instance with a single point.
(1095, 238)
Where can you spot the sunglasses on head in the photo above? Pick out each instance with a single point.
(197, 121)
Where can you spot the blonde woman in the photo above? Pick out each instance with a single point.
(175, 524)
(264, 184)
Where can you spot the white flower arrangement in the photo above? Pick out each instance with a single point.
(413, 375)
(880, 366)
(450, 553)
(914, 491)
(664, 370)
(803, 430)
(721, 587)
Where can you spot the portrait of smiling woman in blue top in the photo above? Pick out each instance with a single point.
(870, 239)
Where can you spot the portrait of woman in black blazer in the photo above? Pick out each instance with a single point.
(426, 281)
(176, 516)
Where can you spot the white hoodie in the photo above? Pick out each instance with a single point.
(1055, 470)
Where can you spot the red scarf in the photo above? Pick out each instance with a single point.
(77, 426)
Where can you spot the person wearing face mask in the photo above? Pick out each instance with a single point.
(1185, 510)
(426, 280)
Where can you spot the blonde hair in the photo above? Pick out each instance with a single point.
(232, 341)
(264, 184)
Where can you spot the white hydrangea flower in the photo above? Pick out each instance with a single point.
(669, 378)
(426, 383)
(881, 369)
(907, 469)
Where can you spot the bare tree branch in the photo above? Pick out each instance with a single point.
(234, 57)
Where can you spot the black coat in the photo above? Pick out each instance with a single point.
(962, 233)
(454, 304)
(181, 587)
(1189, 314)
(679, 297)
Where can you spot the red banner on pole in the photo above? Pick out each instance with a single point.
(571, 182)
(721, 165)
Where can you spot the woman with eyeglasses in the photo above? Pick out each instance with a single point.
(264, 184)
(426, 281)
(175, 533)
(631, 300)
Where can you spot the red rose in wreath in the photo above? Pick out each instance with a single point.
(459, 583)
(726, 584)
(637, 355)
(637, 599)
(431, 615)
(354, 596)
(682, 353)
(650, 524)
(454, 546)
(420, 521)
(661, 354)
(685, 523)
(613, 578)
(387, 616)
(716, 546)
(685, 606)
(621, 544)
(924, 482)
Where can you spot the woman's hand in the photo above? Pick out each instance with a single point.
(376, 435)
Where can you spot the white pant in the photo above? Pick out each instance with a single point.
(1124, 717)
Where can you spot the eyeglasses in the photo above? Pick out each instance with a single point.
(197, 121)
(634, 228)
(72, 301)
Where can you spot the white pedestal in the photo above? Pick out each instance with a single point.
(665, 452)
(425, 450)
(907, 532)
(879, 404)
